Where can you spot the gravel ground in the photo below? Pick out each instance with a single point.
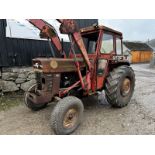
(99, 118)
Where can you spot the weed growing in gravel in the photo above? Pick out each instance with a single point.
(8, 101)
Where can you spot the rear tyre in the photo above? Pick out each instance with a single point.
(29, 103)
(119, 86)
(67, 115)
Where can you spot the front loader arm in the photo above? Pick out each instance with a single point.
(69, 26)
(47, 31)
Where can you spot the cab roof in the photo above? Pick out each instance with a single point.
(99, 27)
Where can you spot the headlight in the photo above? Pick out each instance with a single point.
(37, 65)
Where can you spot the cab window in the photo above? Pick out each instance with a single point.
(90, 42)
(107, 43)
(118, 46)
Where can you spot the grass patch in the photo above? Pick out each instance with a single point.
(8, 101)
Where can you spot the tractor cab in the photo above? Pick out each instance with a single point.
(102, 40)
(105, 51)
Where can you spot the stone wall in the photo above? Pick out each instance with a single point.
(15, 79)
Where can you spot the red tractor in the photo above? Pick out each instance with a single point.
(95, 62)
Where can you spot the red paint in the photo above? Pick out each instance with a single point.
(92, 81)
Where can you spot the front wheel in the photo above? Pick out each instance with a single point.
(29, 103)
(67, 115)
(120, 86)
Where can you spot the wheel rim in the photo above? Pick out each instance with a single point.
(126, 86)
(70, 118)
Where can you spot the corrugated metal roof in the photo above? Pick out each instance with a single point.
(23, 29)
(137, 46)
(16, 29)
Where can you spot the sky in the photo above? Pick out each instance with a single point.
(132, 29)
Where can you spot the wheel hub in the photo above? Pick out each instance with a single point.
(70, 118)
(126, 86)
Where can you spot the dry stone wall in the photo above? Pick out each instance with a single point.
(15, 79)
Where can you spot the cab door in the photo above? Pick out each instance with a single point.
(105, 52)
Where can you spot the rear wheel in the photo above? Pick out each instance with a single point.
(120, 86)
(67, 115)
(29, 103)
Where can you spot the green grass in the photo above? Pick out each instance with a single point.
(10, 100)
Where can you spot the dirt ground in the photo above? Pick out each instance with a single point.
(99, 118)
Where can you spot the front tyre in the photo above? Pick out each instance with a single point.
(67, 115)
(29, 103)
(119, 86)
